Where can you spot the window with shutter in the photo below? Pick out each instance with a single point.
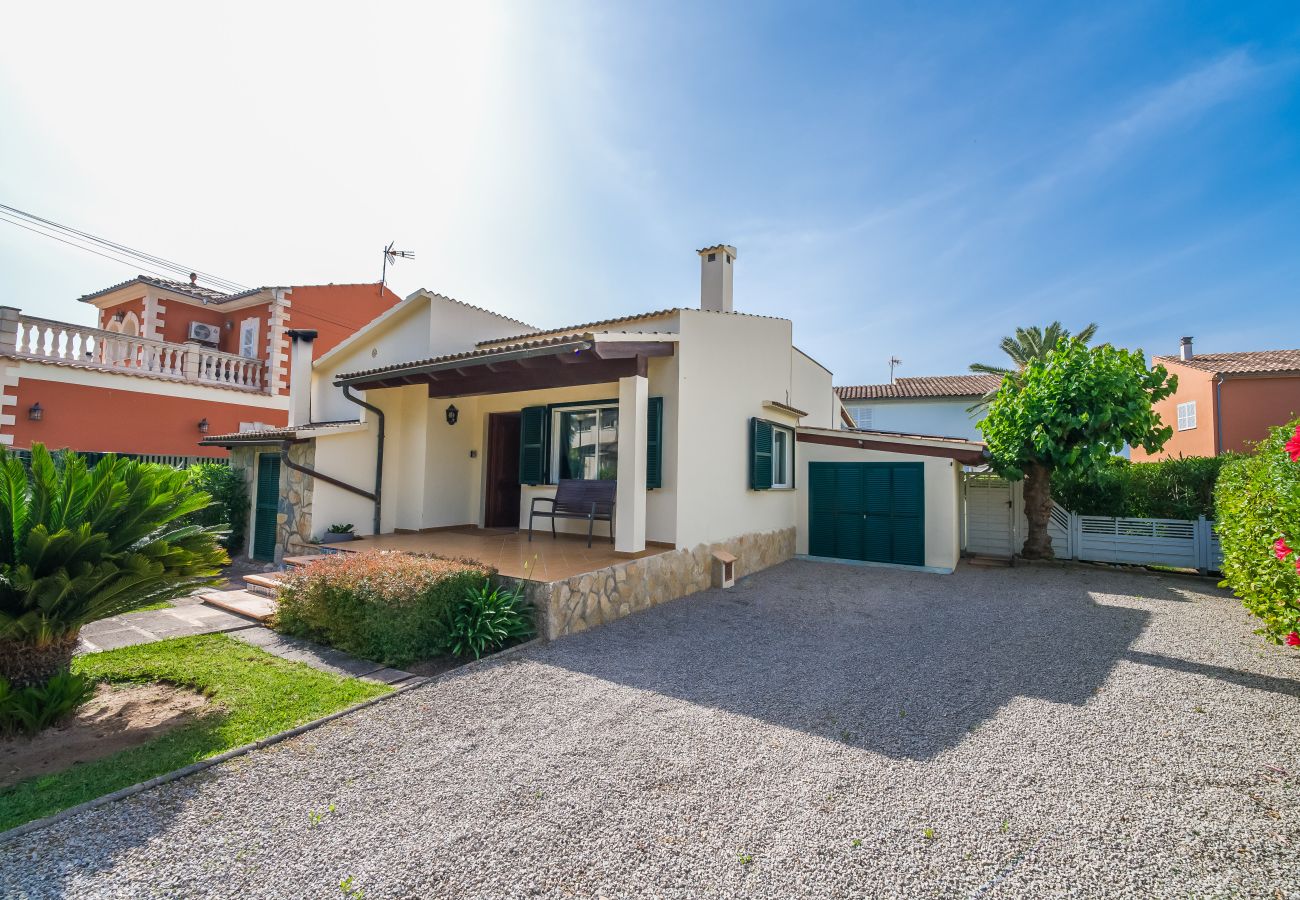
(532, 444)
(654, 455)
(760, 454)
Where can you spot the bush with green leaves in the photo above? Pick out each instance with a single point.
(36, 707)
(1258, 504)
(229, 507)
(487, 618)
(1179, 488)
(80, 544)
(390, 607)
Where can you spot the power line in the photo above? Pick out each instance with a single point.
(44, 227)
(80, 247)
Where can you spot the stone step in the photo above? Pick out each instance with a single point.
(297, 562)
(265, 585)
(242, 603)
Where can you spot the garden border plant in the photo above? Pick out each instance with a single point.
(398, 608)
(1258, 504)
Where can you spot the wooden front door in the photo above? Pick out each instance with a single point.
(502, 502)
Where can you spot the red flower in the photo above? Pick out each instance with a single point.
(1293, 639)
(1280, 549)
(1293, 445)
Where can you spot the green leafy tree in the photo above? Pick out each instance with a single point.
(1070, 411)
(79, 544)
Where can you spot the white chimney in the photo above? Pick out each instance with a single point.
(300, 375)
(1185, 349)
(716, 265)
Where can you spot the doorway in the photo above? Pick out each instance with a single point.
(501, 506)
(266, 506)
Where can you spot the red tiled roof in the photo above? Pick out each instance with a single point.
(270, 434)
(1255, 362)
(207, 295)
(936, 386)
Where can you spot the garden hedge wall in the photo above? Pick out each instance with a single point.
(1181, 488)
(1258, 504)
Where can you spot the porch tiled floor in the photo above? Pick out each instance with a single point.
(510, 553)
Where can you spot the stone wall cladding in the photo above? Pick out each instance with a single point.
(585, 601)
(244, 461)
(293, 536)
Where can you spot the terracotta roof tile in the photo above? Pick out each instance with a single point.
(455, 357)
(207, 295)
(1256, 362)
(638, 317)
(919, 388)
(271, 434)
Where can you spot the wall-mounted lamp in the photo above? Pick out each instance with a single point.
(34, 412)
(203, 426)
(452, 414)
(119, 316)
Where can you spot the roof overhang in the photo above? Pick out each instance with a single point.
(968, 453)
(567, 362)
(289, 434)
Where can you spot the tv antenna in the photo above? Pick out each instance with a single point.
(391, 257)
(893, 361)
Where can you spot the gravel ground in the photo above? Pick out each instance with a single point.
(822, 730)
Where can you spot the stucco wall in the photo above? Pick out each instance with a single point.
(1193, 384)
(1250, 406)
(728, 365)
(89, 410)
(941, 418)
(811, 390)
(942, 497)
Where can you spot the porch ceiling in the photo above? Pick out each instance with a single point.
(566, 363)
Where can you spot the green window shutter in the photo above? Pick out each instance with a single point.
(760, 454)
(532, 445)
(654, 451)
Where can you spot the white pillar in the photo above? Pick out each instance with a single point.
(629, 513)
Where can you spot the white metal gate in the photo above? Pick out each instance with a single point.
(990, 516)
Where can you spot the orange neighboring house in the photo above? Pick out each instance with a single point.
(1226, 401)
(166, 363)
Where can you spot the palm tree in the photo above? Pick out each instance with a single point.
(79, 544)
(1025, 345)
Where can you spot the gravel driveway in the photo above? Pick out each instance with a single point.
(822, 730)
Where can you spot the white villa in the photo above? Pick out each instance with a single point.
(435, 427)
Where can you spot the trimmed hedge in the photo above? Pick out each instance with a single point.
(390, 607)
(1180, 488)
(1258, 502)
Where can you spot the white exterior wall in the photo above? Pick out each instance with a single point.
(942, 496)
(430, 326)
(727, 366)
(941, 418)
(811, 391)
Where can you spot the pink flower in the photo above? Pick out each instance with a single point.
(1293, 445)
(1293, 639)
(1280, 549)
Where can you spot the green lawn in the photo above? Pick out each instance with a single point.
(260, 695)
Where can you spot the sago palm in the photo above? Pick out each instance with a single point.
(79, 544)
(1028, 344)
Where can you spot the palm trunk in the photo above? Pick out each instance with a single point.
(23, 664)
(1038, 510)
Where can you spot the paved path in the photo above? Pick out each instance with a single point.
(190, 616)
(820, 731)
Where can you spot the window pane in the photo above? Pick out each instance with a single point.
(607, 460)
(779, 439)
(589, 443)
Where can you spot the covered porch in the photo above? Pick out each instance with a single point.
(475, 439)
(544, 559)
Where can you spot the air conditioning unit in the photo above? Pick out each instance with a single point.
(205, 333)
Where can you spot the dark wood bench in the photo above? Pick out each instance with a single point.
(577, 498)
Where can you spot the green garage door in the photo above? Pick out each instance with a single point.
(266, 509)
(867, 511)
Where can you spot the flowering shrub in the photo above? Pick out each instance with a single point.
(390, 607)
(1257, 500)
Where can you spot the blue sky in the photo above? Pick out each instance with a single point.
(899, 179)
